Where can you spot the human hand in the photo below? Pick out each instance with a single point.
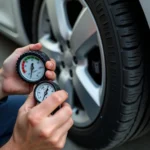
(11, 83)
(36, 129)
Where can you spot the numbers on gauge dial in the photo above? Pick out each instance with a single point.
(43, 91)
(32, 68)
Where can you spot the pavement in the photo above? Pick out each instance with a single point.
(143, 143)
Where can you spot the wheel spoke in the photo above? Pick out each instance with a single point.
(51, 49)
(84, 34)
(66, 84)
(58, 17)
(83, 3)
(88, 91)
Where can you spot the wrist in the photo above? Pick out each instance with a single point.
(3, 94)
(10, 145)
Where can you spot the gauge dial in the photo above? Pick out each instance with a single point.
(44, 89)
(31, 66)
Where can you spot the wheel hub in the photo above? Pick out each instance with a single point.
(68, 59)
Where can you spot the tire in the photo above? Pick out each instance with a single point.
(124, 115)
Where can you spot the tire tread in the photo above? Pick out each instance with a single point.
(133, 69)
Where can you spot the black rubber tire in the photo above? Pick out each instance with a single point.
(125, 113)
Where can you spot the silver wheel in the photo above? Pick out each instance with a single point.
(76, 46)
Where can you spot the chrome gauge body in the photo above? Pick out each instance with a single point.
(31, 66)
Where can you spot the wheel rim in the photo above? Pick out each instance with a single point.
(78, 51)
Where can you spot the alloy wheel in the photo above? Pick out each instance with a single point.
(69, 34)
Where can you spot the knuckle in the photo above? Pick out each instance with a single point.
(60, 146)
(44, 134)
(68, 110)
(47, 132)
(54, 142)
(32, 119)
(57, 98)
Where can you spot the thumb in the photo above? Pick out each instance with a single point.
(30, 102)
(36, 46)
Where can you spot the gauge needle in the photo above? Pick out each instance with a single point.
(32, 68)
(45, 93)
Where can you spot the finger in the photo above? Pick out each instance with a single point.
(51, 75)
(50, 104)
(63, 130)
(37, 46)
(65, 104)
(51, 65)
(30, 102)
(60, 142)
(61, 116)
(54, 126)
(48, 133)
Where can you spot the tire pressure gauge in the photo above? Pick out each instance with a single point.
(31, 66)
(44, 89)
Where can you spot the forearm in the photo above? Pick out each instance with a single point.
(2, 93)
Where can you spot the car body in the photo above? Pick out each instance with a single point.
(11, 20)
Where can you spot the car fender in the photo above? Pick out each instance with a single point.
(11, 21)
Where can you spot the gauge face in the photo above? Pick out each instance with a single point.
(32, 68)
(43, 91)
